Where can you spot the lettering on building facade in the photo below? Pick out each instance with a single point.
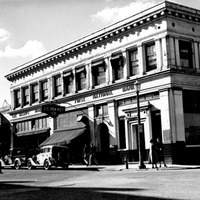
(127, 88)
(23, 114)
(102, 94)
(79, 100)
(52, 110)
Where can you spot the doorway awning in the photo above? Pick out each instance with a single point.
(61, 137)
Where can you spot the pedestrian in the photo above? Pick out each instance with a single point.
(153, 154)
(86, 154)
(92, 156)
(160, 152)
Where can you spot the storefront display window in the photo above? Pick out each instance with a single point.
(191, 105)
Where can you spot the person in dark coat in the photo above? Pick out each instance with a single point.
(92, 156)
(153, 154)
(160, 152)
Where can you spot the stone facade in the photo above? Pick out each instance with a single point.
(94, 77)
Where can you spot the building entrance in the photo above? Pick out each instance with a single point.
(103, 142)
(156, 124)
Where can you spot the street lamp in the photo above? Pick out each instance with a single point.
(139, 129)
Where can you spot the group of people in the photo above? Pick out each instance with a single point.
(156, 153)
(89, 156)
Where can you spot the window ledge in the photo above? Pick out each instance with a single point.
(99, 86)
(80, 91)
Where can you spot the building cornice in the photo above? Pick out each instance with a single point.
(156, 12)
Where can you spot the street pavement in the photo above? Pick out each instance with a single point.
(104, 182)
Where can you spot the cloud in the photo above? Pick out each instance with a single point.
(111, 15)
(4, 35)
(31, 49)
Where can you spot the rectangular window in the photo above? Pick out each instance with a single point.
(191, 107)
(81, 79)
(133, 62)
(44, 88)
(122, 135)
(150, 50)
(117, 66)
(35, 93)
(185, 49)
(102, 110)
(98, 72)
(17, 98)
(58, 87)
(26, 96)
(68, 84)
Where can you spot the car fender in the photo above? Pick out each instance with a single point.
(2, 163)
(17, 159)
(32, 161)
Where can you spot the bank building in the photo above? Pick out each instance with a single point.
(94, 79)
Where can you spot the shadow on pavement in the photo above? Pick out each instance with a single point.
(12, 190)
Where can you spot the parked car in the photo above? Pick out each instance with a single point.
(49, 156)
(15, 158)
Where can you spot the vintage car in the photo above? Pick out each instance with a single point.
(16, 158)
(49, 156)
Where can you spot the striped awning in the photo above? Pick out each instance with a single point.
(61, 137)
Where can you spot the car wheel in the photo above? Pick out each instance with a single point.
(17, 164)
(29, 165)
(46, 165)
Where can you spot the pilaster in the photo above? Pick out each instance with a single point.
(158, 53)
(171, 50)
(141, 60)
(196, 54)
(164, 52)
(125, 63)
(108, 70)
(177, 52)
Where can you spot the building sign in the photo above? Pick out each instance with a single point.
(53, 110)
(127, 88)
(102, 94)
(23, 113)
(117, 91)
(79, 100)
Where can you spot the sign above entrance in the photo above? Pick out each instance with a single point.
(53, 110)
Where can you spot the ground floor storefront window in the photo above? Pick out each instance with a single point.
(191, 106)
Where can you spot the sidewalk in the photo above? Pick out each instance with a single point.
(133, 166)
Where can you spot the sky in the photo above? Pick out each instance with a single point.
(31, 28)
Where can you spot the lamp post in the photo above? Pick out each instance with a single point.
(139, 129)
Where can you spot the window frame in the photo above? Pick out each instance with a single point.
(150, 56)
(68, 82)
(133, 63)
(117, 66)
(186, 56)
(57, 85)
(17, 98)
(81, 81)
(44, 90)
(26, 95)
(35, 93)
(99, 73)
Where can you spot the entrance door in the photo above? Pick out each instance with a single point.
(156, 124)
(104, 138)
(103, 142)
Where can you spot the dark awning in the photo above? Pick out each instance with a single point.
(32, 132)
(62, 137)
